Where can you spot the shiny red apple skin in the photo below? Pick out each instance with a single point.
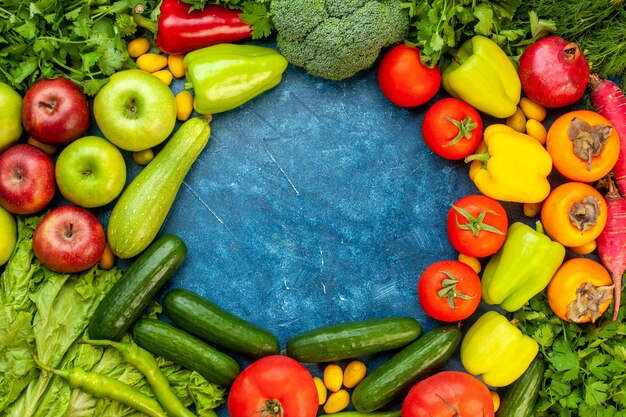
(55, 111)
(69, 239)
(27, 179)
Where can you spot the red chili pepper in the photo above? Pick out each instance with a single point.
(180, 31)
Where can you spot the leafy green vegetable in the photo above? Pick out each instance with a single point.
(586, 373)
(597, 26)
(47, 313)
(43, 312)
(256, 13)
(439, 26)
(80, 39)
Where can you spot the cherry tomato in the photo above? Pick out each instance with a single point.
(273, 386)
(449, 291)
(452, 128)
(404, 80)
(448, 393)
(580, 291)
(477, 225)
(583, 144)
(574, 214)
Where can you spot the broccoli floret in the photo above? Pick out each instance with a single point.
(334, 39)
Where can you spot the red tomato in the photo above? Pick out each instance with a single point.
(273, 386)
(452, 128)
(404, 80)
(477, 225)
(449, 291)
(448, 394)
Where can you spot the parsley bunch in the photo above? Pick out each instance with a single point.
(80, 39)
(256, 13)
(586, 374)
(440, 26)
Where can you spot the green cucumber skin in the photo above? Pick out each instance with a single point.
(405, 368)
(520, 397)
(349, 340)
(130, 296)
(141, 209)
(209, 322)
(171, 343)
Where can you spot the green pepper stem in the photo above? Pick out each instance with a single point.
(123, 347)
(61, 373)
(188, 85)
(143, 21)
(539, 227)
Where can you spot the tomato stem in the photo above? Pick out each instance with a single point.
(271, 408)
(465, 127)
(449, 290)
(475, 224)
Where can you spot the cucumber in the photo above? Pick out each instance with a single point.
(349, 340)
(401, 371)
(205, 320)
(131, 294)
(171, 343)
(519, 398)
(140, 211)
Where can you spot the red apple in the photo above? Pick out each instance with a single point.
(55, 111)
(69, 239)
(27, 182)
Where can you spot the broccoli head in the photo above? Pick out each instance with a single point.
(334, 39)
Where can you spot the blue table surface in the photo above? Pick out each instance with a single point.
(316, 203)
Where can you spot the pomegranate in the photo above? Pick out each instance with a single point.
(553, 72)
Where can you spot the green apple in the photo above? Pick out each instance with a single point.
(8, 235)
(10, 116)
(135, 110)
(90, 172)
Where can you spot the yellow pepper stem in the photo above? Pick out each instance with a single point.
(482, 157)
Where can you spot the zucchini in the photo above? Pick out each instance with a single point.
(209, 322)
(519, 398)
(131, 294)
(349, 340)
(171, 343)
(406, 367)
(140, 211)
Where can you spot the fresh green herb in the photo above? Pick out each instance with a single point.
(256, 13)
(586, 373)
(597, 26)
(83, 40)
(439, 26)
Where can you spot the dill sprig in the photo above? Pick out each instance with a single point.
(597, 26)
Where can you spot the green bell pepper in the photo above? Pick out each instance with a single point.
(497, 350)
(482, 75)
(522, 268)
(226, 75)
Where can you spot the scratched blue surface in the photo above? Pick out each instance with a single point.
(315, 203)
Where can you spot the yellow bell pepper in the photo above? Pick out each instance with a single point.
(482, 75)
(510, 166)
(497, 350)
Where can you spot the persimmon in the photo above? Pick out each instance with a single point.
(584, 145)
(580, 291)
(573, 214)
